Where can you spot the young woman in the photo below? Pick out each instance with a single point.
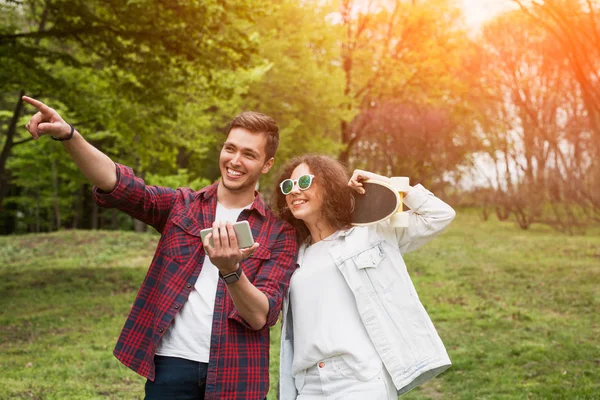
(353, 325)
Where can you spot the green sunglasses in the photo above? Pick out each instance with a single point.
(303, 182)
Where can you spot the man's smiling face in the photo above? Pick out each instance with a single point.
(242, 160)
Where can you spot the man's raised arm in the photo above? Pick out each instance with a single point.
(97, 167)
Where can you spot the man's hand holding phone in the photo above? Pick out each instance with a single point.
(224, 248)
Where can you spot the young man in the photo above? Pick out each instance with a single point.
(191, 334)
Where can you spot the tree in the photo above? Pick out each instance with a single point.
(403, 80)
(533, 124)
(301, 85)
(575, 26)
(114, 65)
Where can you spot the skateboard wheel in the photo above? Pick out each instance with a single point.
(400, 183)
(400, 220)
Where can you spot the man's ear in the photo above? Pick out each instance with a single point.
(267, 165)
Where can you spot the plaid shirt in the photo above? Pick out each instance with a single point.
(239, 356)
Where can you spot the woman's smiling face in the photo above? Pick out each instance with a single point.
(305, 204)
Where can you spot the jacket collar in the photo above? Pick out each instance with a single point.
(346, 232)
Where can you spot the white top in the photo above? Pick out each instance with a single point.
(370, 258)
(326, 319)
(189, 334)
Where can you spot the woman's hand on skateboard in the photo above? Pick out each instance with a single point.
(359, 176)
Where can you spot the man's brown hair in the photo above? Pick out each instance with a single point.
(332, 177)
(256, 122)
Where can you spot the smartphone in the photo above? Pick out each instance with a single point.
(242, 231)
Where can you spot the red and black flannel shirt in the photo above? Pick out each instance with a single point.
(239, 356)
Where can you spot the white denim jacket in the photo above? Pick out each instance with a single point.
(370, 259)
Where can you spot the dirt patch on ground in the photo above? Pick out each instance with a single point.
(141, 261)
(431, 390)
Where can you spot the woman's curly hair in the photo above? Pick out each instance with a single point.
(332, 177)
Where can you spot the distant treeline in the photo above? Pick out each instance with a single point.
(397, 87)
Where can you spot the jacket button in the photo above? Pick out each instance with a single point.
(160, 330)
(177, 306)
(189, 285)
(321, 364)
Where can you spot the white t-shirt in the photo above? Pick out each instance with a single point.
(189, 334)
(326, 319)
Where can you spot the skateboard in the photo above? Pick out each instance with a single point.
(380, 202)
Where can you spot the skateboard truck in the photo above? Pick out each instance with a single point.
(401, 218)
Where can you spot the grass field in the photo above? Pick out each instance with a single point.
(519, 312)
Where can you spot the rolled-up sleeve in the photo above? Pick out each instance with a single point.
(429, 216)
(149, 204)
(273, 277)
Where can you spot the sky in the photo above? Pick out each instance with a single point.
(478, 11)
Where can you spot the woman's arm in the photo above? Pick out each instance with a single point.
(428, 215)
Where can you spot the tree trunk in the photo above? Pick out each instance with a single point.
(55, 195)
(78, 200)
(37, 211)
(139, 226)
(50, 219)
(12, 127)
(94, 215)
(10, 135)
(114, 219)
(347, 63)
(344, 156)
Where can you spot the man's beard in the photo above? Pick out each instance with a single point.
(235, 188)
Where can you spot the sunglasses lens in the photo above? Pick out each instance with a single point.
(304, 182)
(287, 186)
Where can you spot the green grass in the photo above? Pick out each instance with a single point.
(518, 311)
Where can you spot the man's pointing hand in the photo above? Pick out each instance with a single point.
(46, 121)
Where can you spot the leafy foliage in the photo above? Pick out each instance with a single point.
(398, 87)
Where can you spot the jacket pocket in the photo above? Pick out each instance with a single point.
(252, 264)
(187, 224)
(299, 380)
(181, 240)
(376, 269)
(369, 258)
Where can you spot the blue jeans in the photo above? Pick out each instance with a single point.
(177, 378)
